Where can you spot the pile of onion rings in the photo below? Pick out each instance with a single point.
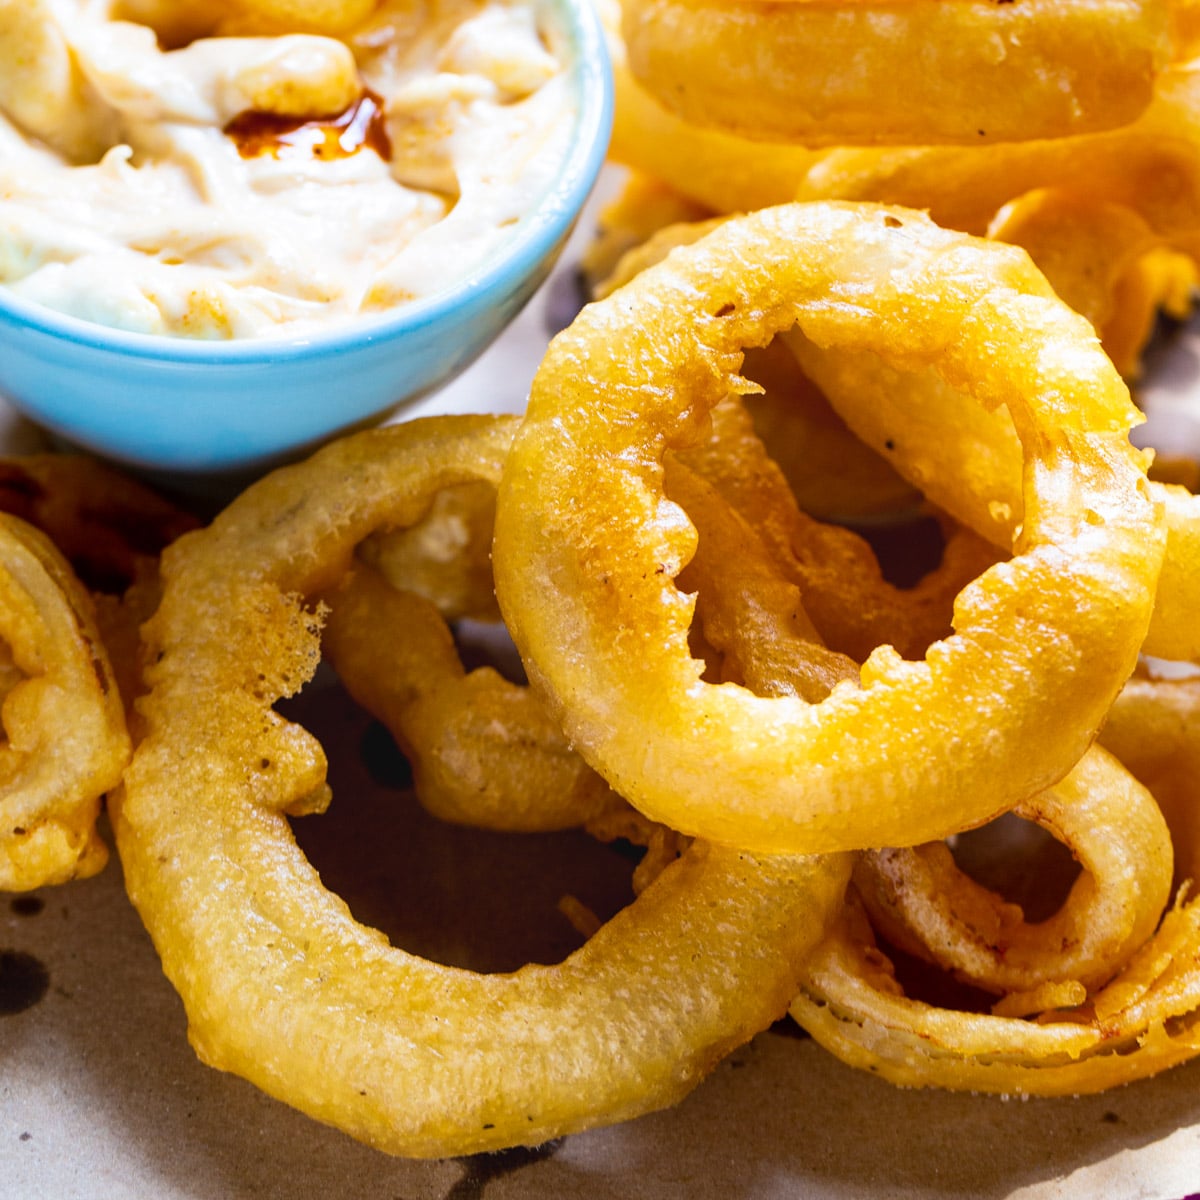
(685, 538)
(686, 564)
(688, 555)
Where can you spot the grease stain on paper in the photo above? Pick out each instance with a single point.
(23, 982)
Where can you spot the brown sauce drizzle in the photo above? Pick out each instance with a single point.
(339, 136)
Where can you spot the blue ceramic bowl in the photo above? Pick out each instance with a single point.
(207, 408)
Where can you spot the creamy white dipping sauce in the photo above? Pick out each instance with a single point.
(162, 225)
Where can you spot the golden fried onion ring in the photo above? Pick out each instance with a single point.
(281, 985)
(587, 547)
(1143, 1022)
(483, 750)
(63, 718)
(922, 903)
(912, 73)
(1110, 821)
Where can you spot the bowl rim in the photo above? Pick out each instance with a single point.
(544, 226)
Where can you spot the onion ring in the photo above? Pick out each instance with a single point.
(1151, 165)
(281, 985)
(1146, 1020)
(586, 584)
(922, 903)
(958, 71)
(483, 751)
(111, 529)
(66, 738)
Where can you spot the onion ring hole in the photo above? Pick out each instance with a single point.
(464, 897)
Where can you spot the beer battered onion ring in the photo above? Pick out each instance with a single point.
(921, 902)
(1144, 1021)
(587, 546)
(62, 713)
(913, 72)
(281, 985)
